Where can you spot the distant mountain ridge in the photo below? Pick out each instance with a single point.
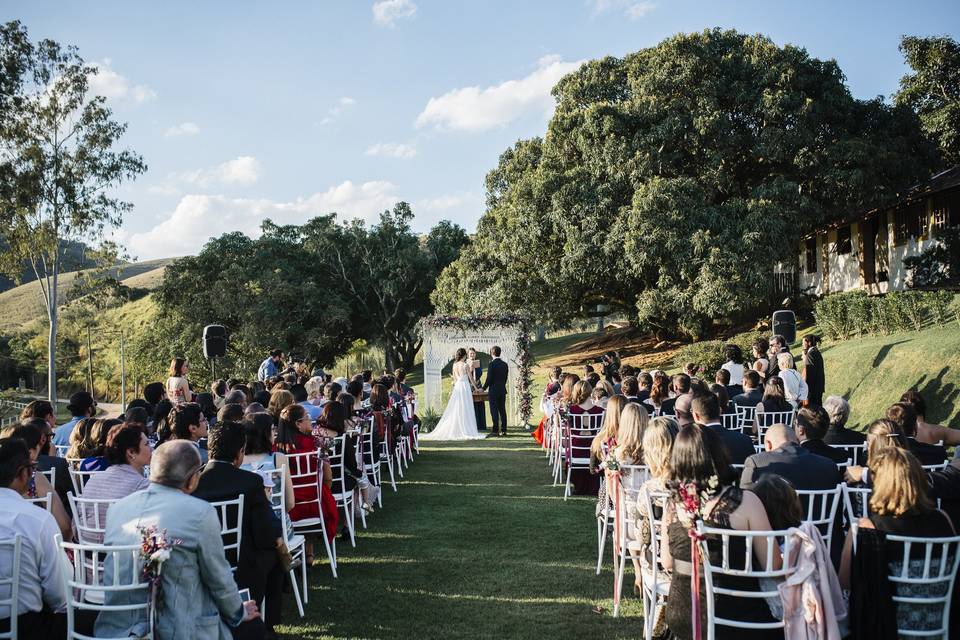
(74, 259)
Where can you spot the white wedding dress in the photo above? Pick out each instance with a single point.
(459, 421)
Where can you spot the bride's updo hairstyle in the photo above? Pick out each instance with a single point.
(461, 354)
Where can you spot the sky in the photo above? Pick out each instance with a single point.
(252, 110)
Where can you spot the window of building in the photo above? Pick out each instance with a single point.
(910, 221)
(844, 243)
(810, 255)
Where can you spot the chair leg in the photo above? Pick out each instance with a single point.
(303, 579)
(393, 480)
(601, 539)
(566, 491)
(296, 592)
(350, 515)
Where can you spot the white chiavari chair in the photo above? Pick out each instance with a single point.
(582, 429)
(230, 514)
(296, 543)
(305, 475)
(10, 585)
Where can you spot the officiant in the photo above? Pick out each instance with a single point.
(479, 403)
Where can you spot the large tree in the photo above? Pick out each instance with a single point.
(672, 181)
(58, 164)
(933, 89)
(385, 273)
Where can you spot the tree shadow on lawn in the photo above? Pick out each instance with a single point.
(940, 397)
(878, 359)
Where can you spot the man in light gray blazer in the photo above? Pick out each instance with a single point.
(200, 596)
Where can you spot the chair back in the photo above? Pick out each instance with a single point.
(230, 514)
(747, 415)
(582, 429)
(749, 569)
(304, 469)
(10, 584)
(79, 479)
(278, 497)
(922, 578)
(936, 467)
(820, 509)
(856, 503)
(632, 477)
(104, 578)
(338, 468)
(855, 452)
(44, 502)
(89, 518)
(731, 421)
(62, 450)
(51, 474)
(766, 419)
(652, 500)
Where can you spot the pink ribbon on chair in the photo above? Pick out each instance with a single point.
(617, 501)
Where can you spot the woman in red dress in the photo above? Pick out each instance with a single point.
(584, 482)
(295, 435)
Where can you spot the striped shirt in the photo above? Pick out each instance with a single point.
(117, 481)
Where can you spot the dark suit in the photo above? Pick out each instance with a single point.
(668, 407)
(749, 398)
(926, 453)
(774, 367)
(739, 447)
(805, 471)
(258, 568)
(842, 435)
(497, 373)
(821, 448)
(945, 485)
(733, 390)
(642, 395)
(814, 376)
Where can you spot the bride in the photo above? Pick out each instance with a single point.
(459, 420)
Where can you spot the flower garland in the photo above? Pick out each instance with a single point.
(524, 360)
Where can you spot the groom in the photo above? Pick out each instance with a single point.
(496, 384)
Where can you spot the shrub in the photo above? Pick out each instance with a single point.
(939, 303)
(429, 420)
(708, 354)
(832, 314)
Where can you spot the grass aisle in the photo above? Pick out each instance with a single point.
(476, 543)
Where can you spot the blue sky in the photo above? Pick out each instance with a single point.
(248, 110)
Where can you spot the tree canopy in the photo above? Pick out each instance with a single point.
(671, 182)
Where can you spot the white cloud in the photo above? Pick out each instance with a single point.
(182, 129)
(242, 170)
(441, 203)
(333, 112)
(388, 12)
(393, 150)
(113, 86)
(197, 218)
(476, 109)
(632, 9)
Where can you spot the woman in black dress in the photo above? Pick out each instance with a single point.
(699, 462)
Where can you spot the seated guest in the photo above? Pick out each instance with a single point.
(903, 415)
(751, 395)
(795, 388)
(87, 443)
(300, 397)
(645, 382)
(722, 378)
(48, 459)
(607, 437)
(82, 405)
(280, 399)
(218, 388)
(602, 393)
(659, 393)
(733, 355)
(811, 425)
(160, 424)
(198, 590)
(583, 482)
(258, 565)
(138, 417)
(233, 412)
(314, 389)
(945, 487)
(838, 411)
(699, 458)
(630, 388)
(900, 505)
(773, 401)
(39, 486)
(682, 410)
(236, 396)
(187, 422)
(882, 435)
(681, 386)
(723, 399)
(154, 393)
(205, 400)
(926, 432)
(127, 453)
(706, 413)
(785, 457)
(780, 500)
(258, 453)
(42, 598)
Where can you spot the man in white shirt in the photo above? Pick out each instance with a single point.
(42, 600)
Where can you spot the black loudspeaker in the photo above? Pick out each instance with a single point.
(214, 341)
(784, 323)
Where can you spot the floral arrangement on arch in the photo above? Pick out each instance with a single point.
(524, 359)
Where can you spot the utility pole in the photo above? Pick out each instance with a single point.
(89, 362)
(123, 376)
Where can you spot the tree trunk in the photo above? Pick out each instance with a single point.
(400, 353)
(52, 335)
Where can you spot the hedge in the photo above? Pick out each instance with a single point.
(843, 315)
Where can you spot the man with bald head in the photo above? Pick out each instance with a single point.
(197, 583)
(786, 458)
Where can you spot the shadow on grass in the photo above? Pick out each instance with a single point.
(939, 396)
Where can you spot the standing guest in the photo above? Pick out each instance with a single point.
(127, 453)
(258, 565)
(82, 405)
(706, 413)
(722, 377)
(785, 457)
(838, 412)
(734, 364)
(42, 598)
(811, 426)
(794, 388)
(903, 415)
(926, 432)
(681, 386)
(187, 422)
(198, 590)
(476, 370)
(778, 345)
(761, 361)
(270, 367)
(813, 372)
(751, 395)
(699, 458)
(39, 486)
(178, 388)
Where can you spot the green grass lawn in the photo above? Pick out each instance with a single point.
(476, 543)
